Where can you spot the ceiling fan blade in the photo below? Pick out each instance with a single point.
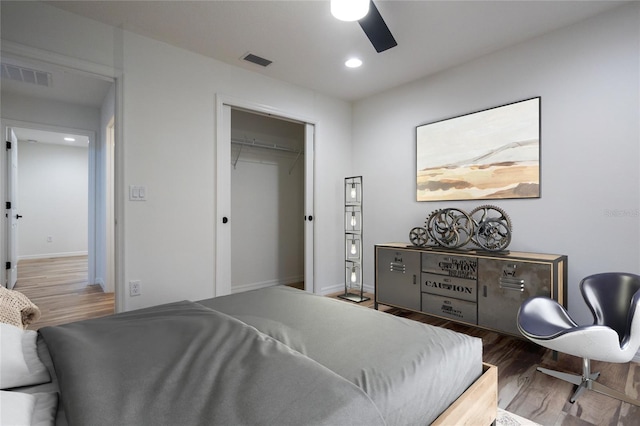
(376, 29)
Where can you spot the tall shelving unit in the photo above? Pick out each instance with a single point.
(353, 288)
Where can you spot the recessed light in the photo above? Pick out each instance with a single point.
(349, 10)
(70, 139)
(353, 63)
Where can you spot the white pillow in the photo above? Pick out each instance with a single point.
(16, 408)
(19, 361)
(21, 409)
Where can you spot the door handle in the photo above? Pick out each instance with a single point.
(18, 216)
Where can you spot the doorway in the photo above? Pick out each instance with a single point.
(267, 201)
(55, 238)
(52, 195)
(224, 219)
(72, 99)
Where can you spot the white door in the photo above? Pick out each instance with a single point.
(309, 133)
(12, 212)
(223, 203)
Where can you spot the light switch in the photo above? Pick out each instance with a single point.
(137, 193)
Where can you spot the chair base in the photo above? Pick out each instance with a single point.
(588, 381)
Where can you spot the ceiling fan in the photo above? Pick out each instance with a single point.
(369, 18)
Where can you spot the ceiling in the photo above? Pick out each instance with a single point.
(308, 46)
(49, 137)
(64, 85)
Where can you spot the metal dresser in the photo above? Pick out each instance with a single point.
(473, 287)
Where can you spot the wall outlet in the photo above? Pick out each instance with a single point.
(49, 239)
(134, 288)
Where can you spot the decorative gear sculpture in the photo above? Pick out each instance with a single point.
(450, 228)
(492, 228)
(419, 237)
(488, 227)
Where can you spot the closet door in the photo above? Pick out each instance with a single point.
(309, 133)
(223, 202)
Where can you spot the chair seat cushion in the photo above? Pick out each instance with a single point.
(542, 318)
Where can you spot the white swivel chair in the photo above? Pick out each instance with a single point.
(614, 300)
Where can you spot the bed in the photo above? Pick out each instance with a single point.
(274, 356)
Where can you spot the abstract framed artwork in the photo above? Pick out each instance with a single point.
(489, 154)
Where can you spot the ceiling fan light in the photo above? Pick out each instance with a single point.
(353, 63)
(349, 10)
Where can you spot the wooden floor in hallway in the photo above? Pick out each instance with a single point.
(59, 287)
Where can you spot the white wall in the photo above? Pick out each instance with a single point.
(168, 141)
(169, 146)
(267, 232)
(52, 198)
(48, 112)
(589, 79)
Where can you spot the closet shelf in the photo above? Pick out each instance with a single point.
(255, 144)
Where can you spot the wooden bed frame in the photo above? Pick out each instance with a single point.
(478, 405)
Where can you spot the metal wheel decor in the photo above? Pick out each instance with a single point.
(450, 228)
(419, 237)
(488, 227)
(492, 228)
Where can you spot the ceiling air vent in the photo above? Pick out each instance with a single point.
(250, 57)
(26, 75)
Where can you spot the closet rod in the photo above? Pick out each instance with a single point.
(256, 144)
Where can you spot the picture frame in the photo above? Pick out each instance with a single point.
(485, 155)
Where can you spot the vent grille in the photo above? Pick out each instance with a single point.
(250, 57)
(26, 75)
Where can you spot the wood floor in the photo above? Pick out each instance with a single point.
(58, 286)
(543, 399)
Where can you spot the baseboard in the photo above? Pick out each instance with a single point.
(101, 284)
(340, 287)
(52, 255)
(262, 284)
(323, 291)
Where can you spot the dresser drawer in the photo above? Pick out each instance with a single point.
(450, 265)
(448, 307)
(459, 288)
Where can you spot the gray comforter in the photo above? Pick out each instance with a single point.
(411, 371)
(185, 364)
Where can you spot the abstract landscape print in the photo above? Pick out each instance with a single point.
(490, 154)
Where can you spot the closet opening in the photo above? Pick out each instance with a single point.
(267, 201)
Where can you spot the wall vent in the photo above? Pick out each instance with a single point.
(250, 57)
(26, 75)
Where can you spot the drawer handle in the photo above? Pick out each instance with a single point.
(512, 284)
